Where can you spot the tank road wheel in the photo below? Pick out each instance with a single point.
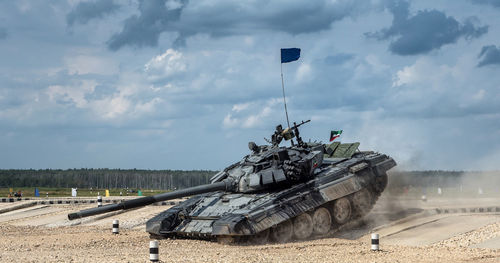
(362, 202)
(341, 210)
(322, 221)
(283, 232)
(302, 226)
(259, 238)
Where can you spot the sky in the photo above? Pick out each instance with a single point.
(177, 84)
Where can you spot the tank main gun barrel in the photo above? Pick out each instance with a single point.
(226, 185)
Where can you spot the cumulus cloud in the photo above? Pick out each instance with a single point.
(112, 107)
(240, 107)
(251, 115)
(166, 64)
(86, 11)
(3, 33)
(222, 18)
(425, 31)
(490, 55)
(124, 101)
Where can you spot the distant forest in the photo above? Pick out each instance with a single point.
(178, 179)
(105, 178)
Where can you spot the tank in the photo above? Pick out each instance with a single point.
(275, 193)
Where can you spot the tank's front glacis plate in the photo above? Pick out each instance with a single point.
(211, 208)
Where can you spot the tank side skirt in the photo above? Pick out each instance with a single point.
(300, 203)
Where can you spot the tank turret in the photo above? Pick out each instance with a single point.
(266, 167)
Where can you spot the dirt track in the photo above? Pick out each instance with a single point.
(43, 234)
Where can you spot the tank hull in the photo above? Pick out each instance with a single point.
(346, 188)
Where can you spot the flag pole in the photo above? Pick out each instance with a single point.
(284, 100)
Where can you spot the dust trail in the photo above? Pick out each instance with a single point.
(479, 184)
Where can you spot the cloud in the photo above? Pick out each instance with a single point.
(145, 29)
(425, 31)
(3, 33)
(251, 114)
(490, 55)
(240, 107)
(97, 99)
(431, 89)
(338, 59)
(112, 107)
(304, 73)
(86, 11)
(222, 81)
(71, 94)
(166, 64)
(494, 3)
(221, 18)
(89, 64)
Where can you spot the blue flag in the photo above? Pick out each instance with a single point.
(289, 54)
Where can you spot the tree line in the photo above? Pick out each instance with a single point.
(179, 179)
(105, 178)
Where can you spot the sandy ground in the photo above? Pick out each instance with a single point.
(43, 234)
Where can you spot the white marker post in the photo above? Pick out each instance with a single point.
(375, 243)
(153, 251)
(99, 201)
(116, 226)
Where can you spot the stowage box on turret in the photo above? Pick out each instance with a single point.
(274, 193)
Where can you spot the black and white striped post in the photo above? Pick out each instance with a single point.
(375, 243)
(153, 251)
(99, 201)
(116, 226)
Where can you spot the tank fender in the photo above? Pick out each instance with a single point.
(382, 167)
(232, 224)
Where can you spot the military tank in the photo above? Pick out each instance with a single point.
(275, 193)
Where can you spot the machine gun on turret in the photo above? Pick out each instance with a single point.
(288, 134)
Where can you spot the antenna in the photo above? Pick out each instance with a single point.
(287, 55)
(284, 98)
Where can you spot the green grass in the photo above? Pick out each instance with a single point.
(66, 192)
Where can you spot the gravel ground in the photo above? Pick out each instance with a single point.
(51, 238)
(473, 237)
(97, 244)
